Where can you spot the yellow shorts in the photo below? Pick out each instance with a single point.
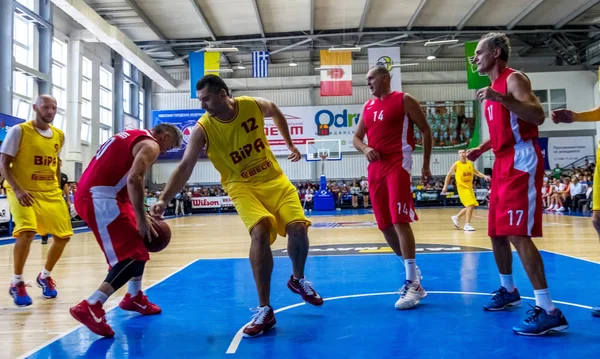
(276, 200)
(467, 197)
(596, 190)
(48, 215)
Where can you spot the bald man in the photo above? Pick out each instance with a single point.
(29, 161)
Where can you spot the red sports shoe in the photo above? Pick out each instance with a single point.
(263, 320)
(93, 317)
(139, 304)
(305, 289)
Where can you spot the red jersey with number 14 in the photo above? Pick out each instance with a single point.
(506, 128)
(389, 129)
(106, 175)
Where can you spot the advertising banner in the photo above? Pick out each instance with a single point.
(6, 122)
(185, 120)
(565, 150)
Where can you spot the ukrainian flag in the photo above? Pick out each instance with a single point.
(200, 63)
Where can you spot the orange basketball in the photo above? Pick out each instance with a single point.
(160, 242)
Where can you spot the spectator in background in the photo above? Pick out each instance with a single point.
(354, 191)
(179, 202)
(577, 193)
(364, 187)
(335, 190)
(557, 172)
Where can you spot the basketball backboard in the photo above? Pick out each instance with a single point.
(329, 150)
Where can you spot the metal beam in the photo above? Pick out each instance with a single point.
(312, 17)
(203, 18)
(415, 14)
(363, 19)
(24, 12)
(523, 13)
(290, 46)
(258, 18)
(138, 10)
(572, 16)
(471, 12)
(383, 42)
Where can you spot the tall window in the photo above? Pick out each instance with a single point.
(141, 109)
(23, 53)
(552, 99)
(86, 100)
(59, 81)
(126, 96)
(28, 3)
(106, 99)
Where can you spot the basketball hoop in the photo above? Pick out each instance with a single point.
(323, 156)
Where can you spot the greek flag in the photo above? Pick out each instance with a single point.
(260, 63)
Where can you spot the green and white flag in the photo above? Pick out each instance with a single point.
(474, 78)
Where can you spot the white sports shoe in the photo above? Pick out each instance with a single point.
(411, 294)
(455, 221)
(468, 228)
(419, 275)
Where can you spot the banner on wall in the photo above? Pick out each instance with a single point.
(6, 122)
(454, 124)
(387, 56)
(475, 80)
(565, 150)
(185, 120)
(212, 202)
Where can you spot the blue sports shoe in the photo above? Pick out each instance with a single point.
(502, 299)
(19, 294)
(596, 311)
(538, 322)
(48, 287)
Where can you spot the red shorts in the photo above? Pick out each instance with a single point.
(391, 196)
(515, 198)
(114, 225)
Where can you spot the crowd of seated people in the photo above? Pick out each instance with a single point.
(569, 189)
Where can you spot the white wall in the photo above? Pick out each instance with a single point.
(580, 89)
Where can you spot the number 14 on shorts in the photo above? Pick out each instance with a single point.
(515, 217)
(403, 208)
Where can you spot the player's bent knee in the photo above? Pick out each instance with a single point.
(296, 230)
(123, 271)
(26, 236)
(63, 240)
(261, 231)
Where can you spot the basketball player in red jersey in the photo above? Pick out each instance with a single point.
(110, 199)
(388, 120)
(513, 115)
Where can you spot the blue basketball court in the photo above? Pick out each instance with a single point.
(206, 304)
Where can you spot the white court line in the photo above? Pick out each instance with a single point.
(235, 342)
(566, 255)
(41, 346)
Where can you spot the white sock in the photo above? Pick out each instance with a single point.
(17, 278)
(98, 296)
(543, 300)
(135, 285)
(45, 274)
(507, 282)
(411, 269)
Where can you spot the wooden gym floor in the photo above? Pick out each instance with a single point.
(82, 267)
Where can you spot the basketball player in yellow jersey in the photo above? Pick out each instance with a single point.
(29, 163)
(464, 171)
(266, 200)
(567, 116)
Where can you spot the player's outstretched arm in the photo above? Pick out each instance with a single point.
(448, 176)
(183, 172)
(474, 153)
(480, 175)
(415, 113)
(568, 116)
(145, 154)
(271, 110)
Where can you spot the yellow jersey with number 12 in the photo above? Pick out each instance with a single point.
(34, 166)
(238, 148)
(464, 174)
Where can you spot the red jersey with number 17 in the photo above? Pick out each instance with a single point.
(506, 128)
(389, 129)
(106, 175)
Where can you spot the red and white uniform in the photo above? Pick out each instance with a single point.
(518, 175)
(102, 200)
(390, 133)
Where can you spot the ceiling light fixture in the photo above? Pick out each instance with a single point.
(221, 49)
(341, 49)
(441, 42)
